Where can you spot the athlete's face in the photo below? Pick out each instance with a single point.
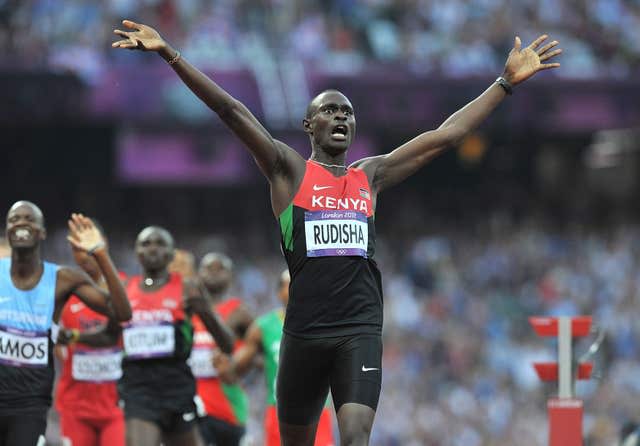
(331, 122)
(215, 275)
(25, 226)
(154, 248)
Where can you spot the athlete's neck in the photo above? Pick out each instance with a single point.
(335, 164)
(215, 296)
(25, 263)
(155, 278)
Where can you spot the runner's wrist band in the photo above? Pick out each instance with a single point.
(75, 335)
(505, 84)
(175, 58)
(93, 250)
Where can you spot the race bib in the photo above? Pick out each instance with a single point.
(149, 341)
(23, 348)
(336, 233)
(97, 365)
(201, 363)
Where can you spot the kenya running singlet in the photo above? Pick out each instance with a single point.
(26, 342)
(222, 401)
(157, 342)
(328, 239)
(87, 384)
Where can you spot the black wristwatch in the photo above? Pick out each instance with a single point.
(505, 84)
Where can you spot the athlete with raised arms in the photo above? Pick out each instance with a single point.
(33, 293)
(86, 395)
(332, 330)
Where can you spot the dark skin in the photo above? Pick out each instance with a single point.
(155, 250)
(25, 231)
(330, 124)
(216, 276)
(230, 368)
(97, 337)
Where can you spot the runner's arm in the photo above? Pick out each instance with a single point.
(271, 155)
(196, 304)
(230, 368)
(84, 235)
(387, 170)
(106, 335)
(240, 320)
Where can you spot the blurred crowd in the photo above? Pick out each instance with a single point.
(455, 38)
(458, 348)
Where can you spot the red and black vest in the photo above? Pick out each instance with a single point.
(328, 239)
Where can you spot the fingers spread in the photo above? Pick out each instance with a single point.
(546, 56)
(547, 47)
(130, 24)
(546, 66)
(536, 43)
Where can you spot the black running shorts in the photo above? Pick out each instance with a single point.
(27, 430)
(168, 421)
(216, 432)
(351, 366)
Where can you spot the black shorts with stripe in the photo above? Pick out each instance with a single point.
(349, 366)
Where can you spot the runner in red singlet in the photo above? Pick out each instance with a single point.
(157, 386)
(224, 407)
(86, 394)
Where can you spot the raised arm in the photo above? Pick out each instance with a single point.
(387, 170)
(85, 236)
(273, 157)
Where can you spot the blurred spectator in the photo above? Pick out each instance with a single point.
(456, 38)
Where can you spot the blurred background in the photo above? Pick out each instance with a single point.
(534, 214)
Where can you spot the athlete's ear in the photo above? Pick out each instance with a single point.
(306, 123)
(43, 234)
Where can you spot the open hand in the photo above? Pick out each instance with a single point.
(524, 63)
(142, 37)
(84, 235)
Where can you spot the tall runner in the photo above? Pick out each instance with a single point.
(263, 338)
(223, 407)
(32, 295)
(86, 394)
(326, 212)
(157, 386)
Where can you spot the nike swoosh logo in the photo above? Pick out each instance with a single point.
(4, 299)
(317, 188)
(368, 369)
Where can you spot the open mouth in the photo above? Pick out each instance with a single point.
(339, 132)
(22, 234)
